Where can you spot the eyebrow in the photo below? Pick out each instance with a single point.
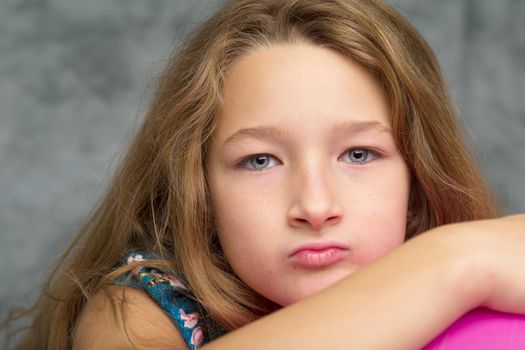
(274, 133)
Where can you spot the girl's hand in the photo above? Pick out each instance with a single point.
(499, 247)
(495, 250)
(405, 298)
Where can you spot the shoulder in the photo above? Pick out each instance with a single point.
(145, 323)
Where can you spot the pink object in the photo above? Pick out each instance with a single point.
(483, 329)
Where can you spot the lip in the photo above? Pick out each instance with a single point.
(316, 255)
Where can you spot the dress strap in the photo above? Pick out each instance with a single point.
(169, 292)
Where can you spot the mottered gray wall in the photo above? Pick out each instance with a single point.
(73, 79)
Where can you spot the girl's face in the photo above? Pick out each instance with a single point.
(305, 178)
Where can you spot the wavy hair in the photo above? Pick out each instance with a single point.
(158, 198)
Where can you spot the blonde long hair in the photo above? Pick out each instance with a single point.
(158, 198)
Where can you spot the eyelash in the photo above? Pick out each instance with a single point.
(244, 163)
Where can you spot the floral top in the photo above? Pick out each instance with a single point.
(166, 289)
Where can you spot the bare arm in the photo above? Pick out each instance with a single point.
(407, 297)
(401, 301)
(147, 325)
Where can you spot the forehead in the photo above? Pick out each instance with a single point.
(301, 84)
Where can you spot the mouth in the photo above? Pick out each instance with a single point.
(318, 256)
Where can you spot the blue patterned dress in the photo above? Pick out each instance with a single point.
(168, 291)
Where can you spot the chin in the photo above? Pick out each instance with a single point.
(310, 285)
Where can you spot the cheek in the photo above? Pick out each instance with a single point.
(383, 214)
(243, 205)
(246, 230)
(373, 249)
(385, 232)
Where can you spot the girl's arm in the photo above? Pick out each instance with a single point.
(405, 298)
(401, 301)
(147, 326)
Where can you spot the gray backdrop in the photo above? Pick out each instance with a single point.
(73, 76)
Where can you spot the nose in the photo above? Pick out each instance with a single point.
(314, 205)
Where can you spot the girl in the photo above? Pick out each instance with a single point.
(290, 150)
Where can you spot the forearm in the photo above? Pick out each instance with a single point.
(399, 302)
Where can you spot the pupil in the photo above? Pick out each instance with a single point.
(260, 160)
(358, 154)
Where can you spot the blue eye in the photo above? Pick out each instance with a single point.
(359, 155)
(259, 162)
